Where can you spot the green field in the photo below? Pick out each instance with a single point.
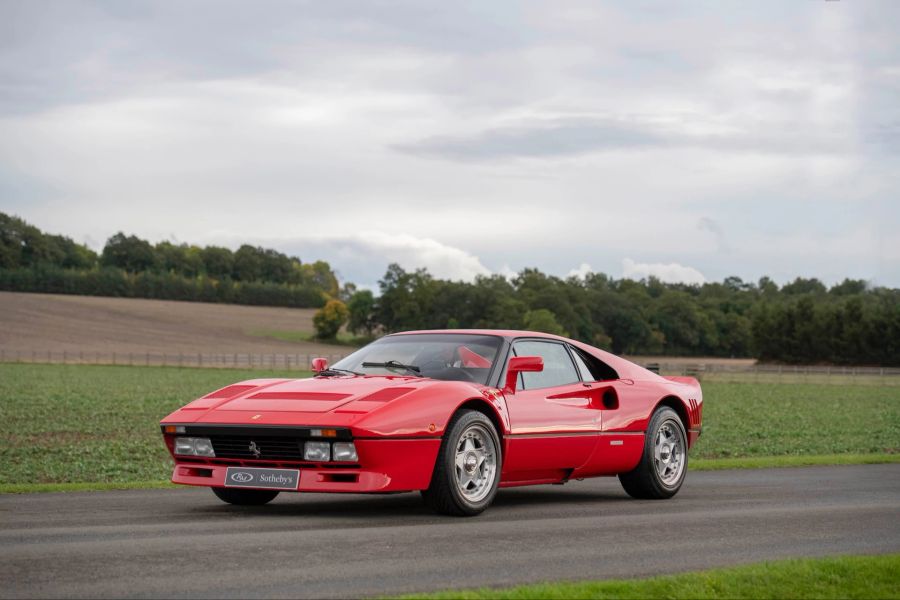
(825, 578)
(99, 424)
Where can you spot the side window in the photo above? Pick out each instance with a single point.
(558, 366)
(583, 369)
(592, 369)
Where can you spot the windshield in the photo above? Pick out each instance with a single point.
(447, 356)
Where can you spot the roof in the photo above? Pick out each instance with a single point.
(509, 333)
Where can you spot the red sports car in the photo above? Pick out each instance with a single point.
(454, 414)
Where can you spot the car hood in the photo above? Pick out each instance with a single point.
(344, 395)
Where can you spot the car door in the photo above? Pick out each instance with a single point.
(554, 420)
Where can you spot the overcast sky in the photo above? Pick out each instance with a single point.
(691, 140)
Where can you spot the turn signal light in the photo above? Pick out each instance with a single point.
(324, 432)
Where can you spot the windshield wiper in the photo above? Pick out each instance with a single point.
(331, 371)
(392, 364)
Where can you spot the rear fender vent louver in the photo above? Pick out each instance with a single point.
(694, 412)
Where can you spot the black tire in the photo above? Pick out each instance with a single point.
(444, 495)
(245, 497)
(645, 482)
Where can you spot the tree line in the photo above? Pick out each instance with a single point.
(128, 266)
(803, 322)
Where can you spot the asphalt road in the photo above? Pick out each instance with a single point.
(186, 543)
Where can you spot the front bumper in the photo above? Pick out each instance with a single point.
(385, 465)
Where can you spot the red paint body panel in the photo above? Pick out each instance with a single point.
(396, 422)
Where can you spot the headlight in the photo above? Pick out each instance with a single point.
(317, 451)
(344, 452)
(190, 446)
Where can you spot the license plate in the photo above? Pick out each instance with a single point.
(276, 479)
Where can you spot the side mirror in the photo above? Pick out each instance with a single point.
(521, 364)
(319, 364)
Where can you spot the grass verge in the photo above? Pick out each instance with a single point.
(95, 486)
(768, 462)
(825, 578)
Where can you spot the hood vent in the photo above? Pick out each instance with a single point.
(386, 395)
(320, 396)
(230, 392)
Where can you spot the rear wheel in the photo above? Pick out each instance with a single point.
(245, 497)
(664, 463)
(467, 472)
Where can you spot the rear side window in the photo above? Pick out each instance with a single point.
(591, 368)
(558, 366)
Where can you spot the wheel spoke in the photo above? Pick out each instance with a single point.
(461, 461)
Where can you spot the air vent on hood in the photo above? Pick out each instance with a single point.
(386, 395)
(322, 396)
(231, 391)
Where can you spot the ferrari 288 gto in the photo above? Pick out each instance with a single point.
(453, 414)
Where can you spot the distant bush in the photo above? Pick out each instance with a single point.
(329, 319)
(33, 261)
(111, 281)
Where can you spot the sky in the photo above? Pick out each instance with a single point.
(691, 141)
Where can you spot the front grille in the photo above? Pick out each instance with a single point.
(269, 448)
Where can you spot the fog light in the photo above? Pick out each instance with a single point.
(317, 451)
(344, 452)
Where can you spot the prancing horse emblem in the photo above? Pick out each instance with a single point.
(255, 449)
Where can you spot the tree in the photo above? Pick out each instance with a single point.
(129, 253)
(543, 320)
(248, 263)
(217, 261)
(320, 276)
(329, 319)
(69, 255)
(181, 259)
(361, 307)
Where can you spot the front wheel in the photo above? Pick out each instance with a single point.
(245, 497)
(664, 462)
(467, 472)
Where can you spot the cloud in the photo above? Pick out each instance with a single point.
(573, 136)
(541, 138)
(363, 257)
(471, 137)
(667, 273)
(581, 272)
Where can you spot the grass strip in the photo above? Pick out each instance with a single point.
(820, 578)
(88, 486)
(768, 462)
